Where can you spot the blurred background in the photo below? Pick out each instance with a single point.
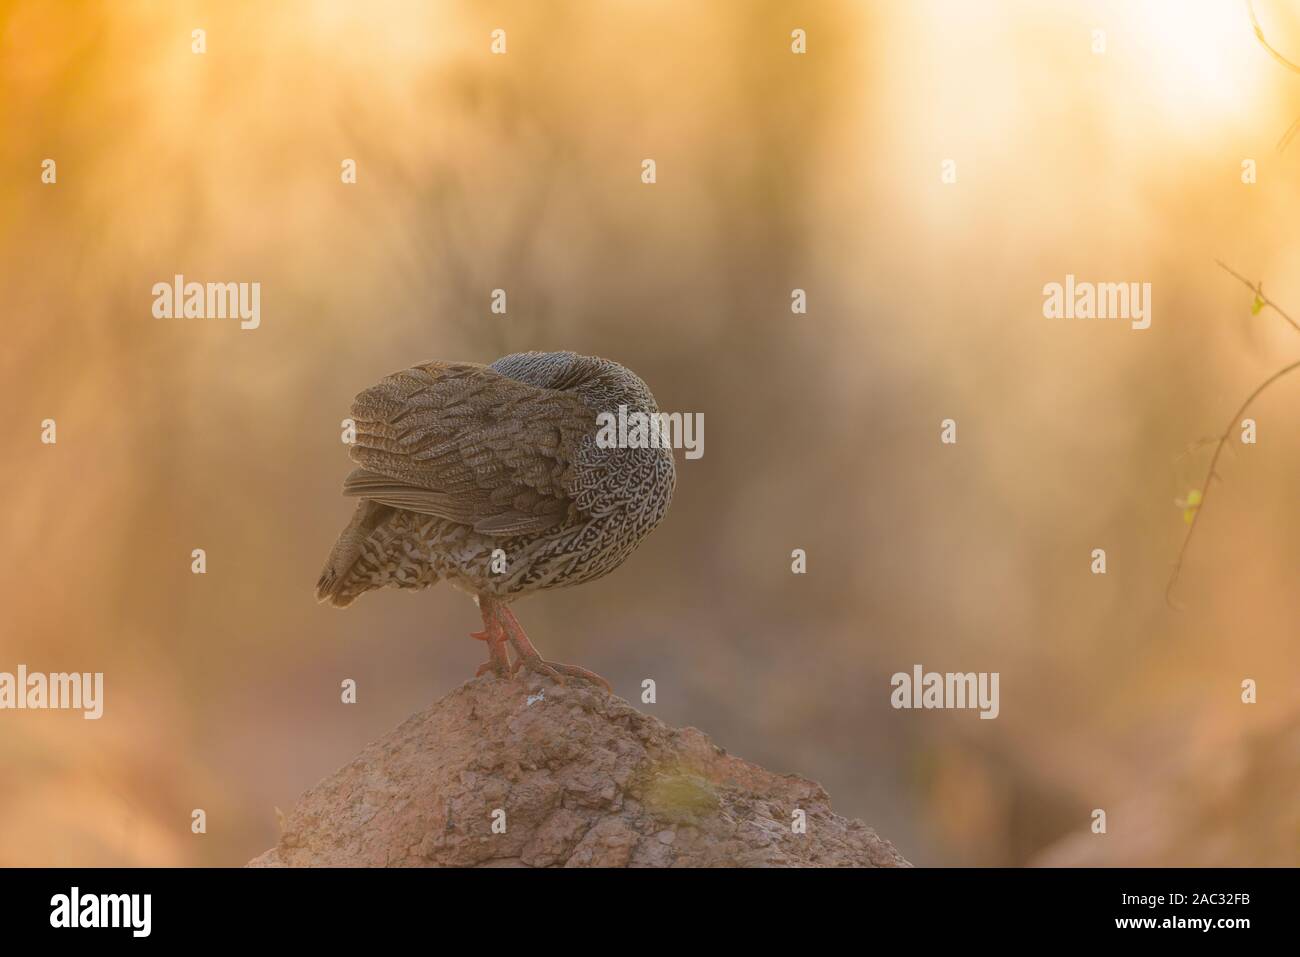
(775, 171)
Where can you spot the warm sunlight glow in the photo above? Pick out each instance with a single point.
(1197, 54)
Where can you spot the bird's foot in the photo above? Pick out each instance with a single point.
(498, 662)
(500, 625)
(558, 670)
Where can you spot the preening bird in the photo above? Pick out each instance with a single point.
(491, 478)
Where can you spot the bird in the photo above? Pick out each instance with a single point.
(492, 479)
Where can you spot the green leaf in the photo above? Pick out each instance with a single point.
(1256, 306)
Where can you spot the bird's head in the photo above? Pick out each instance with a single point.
(601, 383)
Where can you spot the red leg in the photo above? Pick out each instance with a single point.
(528, 656)
(498, 660)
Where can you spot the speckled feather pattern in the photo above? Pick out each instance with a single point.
(459, 459)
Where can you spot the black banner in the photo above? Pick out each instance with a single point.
(331, 906)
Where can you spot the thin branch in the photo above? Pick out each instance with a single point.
(1285, 139)
(1258, 289)
(1205, 489)
(1222, 443)
(1294, 128)
(1259, 35)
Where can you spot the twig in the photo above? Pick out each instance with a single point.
(1258, 289)
(1294, 128)
(1259, 35)
(1285, 139)
(1205, 488)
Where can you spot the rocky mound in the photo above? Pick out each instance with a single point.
(535, 773)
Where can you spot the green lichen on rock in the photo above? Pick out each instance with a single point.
(675, 794)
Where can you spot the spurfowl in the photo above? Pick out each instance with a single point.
(491, 478)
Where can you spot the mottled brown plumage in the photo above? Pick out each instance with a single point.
(461, 463)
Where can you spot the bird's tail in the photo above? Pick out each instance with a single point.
(329, 587)
(339, 585)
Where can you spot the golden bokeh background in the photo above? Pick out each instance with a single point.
(775, 171)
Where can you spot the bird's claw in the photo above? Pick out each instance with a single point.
(559, 671)
(501, 627)
(498, 661)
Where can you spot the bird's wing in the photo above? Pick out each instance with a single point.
(465, 443)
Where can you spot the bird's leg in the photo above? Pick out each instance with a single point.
(495, 636)
(528, 656)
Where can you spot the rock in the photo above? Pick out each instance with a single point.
(578, 778)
